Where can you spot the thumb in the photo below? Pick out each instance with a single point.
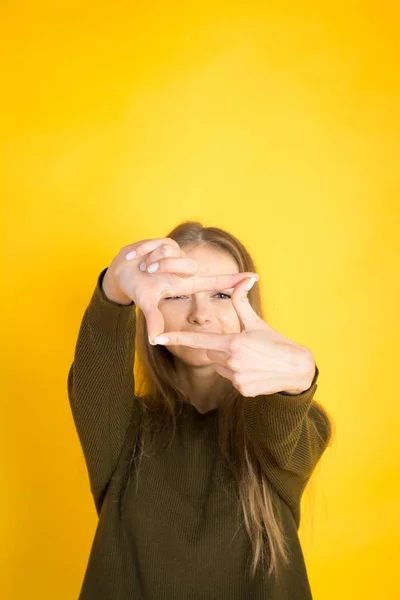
(247, 315)
(154, 322)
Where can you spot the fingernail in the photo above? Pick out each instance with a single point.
(251, 283)
(161, 340)
(130, 255)
(143, 266)
(150, 342)
(153, 268)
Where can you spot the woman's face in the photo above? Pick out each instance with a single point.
(210, 311)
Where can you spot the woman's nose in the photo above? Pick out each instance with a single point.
(200, 313)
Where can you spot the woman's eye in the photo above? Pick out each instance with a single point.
(174, 297)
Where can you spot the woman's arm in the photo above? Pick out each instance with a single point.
(101, 385)
(289, 434)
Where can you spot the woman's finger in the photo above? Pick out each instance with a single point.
(224, 359)
(163, 251)
(179, 266)
(207, 341)
(225, 372)
(154, 321)
(146, 246)
(210, 283)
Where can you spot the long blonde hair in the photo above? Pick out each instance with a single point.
(258, 499)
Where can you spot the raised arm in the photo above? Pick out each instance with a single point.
(101, 385)
(289, 434)
(101, 379)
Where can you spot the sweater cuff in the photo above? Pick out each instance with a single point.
(266, 406)
(292, 401)
(277, 413)
(106, 315)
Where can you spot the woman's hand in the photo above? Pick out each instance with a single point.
(175, 276)
(259, 360)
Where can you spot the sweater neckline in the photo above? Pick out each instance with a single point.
(190, 408)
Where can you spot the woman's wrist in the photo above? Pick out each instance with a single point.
(113, 293)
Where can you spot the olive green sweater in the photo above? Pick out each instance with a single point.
(178, 536)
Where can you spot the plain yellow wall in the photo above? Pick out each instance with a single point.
(278, 123)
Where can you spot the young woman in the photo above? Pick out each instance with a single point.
(197, 482)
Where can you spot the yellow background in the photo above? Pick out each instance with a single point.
(277, 122)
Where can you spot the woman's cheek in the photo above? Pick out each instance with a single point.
(172, 320)
(231, 322)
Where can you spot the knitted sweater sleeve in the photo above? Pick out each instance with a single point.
(288, 434)
(101, 385)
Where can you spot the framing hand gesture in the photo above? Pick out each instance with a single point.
(259, 360)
